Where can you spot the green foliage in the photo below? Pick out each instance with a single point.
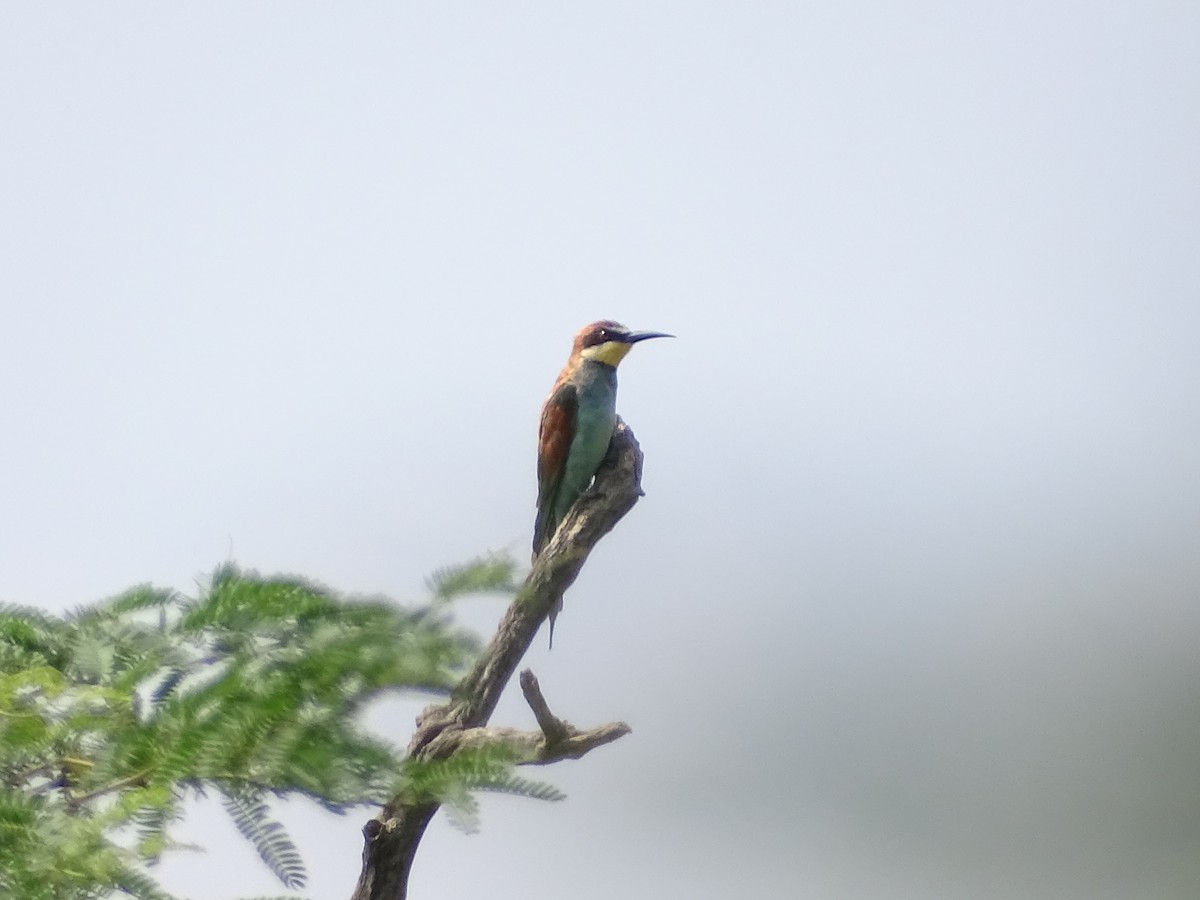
(251, 815)
(451, 781)
(493, 573)
(112, 716)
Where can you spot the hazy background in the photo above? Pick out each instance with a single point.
(910, 607)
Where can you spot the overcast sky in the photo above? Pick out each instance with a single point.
(910, 610)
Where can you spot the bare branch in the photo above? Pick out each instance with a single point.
(531, 748)
(553, 727)
(392, 837)
(556, 741)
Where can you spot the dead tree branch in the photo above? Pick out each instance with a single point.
(557, 739)
(391, 839)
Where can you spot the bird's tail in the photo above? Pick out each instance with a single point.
(554, 611)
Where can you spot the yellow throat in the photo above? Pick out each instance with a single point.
(610, 352)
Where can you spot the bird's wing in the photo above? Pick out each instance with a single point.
(554, 441)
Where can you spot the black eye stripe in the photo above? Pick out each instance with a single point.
(601, 333)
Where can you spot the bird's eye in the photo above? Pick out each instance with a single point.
(603, 332)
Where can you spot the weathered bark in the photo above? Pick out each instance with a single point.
(391, 839)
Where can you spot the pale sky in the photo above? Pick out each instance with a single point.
(910, 609)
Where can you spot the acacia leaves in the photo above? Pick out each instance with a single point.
(111, 716)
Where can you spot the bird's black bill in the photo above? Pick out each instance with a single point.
(635, 336)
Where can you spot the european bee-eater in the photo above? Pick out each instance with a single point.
(577, 425)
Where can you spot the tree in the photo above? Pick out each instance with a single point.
(458, 730)
(113, 716)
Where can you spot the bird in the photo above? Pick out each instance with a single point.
(577, 424)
